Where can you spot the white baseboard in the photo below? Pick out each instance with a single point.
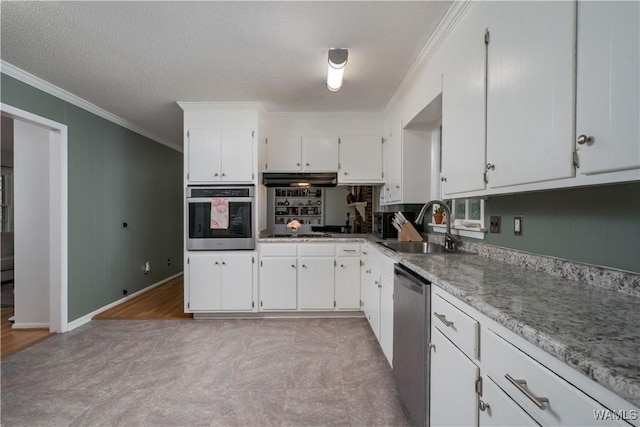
(30, 326)
(87, 317)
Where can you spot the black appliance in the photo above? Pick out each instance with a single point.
(382, 226)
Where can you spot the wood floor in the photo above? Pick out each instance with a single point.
(14, 340)
(164, 302)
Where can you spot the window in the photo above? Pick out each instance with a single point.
(6, 184)
(468, 218)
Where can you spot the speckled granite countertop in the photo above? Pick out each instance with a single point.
(593, 329)
(335, 238)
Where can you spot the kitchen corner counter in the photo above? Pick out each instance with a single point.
(334, 238)
(594, 330)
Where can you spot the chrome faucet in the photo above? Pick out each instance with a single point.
(450, 241)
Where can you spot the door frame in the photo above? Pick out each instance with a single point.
(58, 214)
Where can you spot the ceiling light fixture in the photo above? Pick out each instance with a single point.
(337, 62)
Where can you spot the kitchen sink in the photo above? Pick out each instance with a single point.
(414, 247)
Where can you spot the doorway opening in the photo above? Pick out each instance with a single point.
(39, 174)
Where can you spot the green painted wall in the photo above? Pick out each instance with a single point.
(115, 176)
(596, 225)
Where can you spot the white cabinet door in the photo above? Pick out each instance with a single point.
(372, 298)
(283, 154)
(392, 159)
(530, 97)
(386, 318)
(498, 409)
(347, 283)
(236, 282)
(316, 283)
(203, 163)
(236, 155)
(278, 283)
(608, 104)
(360, 159)
(463, 106)
(204, 282)
(454, 401)
(320, 153)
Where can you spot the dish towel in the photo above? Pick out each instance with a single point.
(219, 213)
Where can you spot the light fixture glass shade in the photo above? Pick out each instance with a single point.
(337, 62)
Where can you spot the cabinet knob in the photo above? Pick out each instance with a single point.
(443, 179)
(293, 266)
(297, 164)
(397, 186)
(342, 265)
(483, 406)
(223, 174)
(491, 166)
(217, 263)
(584, 139)
(304, 266)
(308, 164)
(215, 174)
(224, 263)
(346, 173)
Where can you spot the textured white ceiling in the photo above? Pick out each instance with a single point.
(136, 59)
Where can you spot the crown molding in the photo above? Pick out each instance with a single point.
(446, 25)
(43, 85)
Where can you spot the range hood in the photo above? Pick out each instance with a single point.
(300, 179)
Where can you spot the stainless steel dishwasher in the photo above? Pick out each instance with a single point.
(411, 336)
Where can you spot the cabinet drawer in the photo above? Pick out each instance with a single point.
(278, 249)
(316, 249)
(455, 325)
(348, 250)
(544, 395)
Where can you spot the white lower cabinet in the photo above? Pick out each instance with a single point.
(219, 282)
(278, 283)
(347, 283)
(377, 288)
(510, 382)
(453, 376)
(498, 409)
(309, 276)
(316, 283)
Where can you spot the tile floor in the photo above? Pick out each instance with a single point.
(280, 372)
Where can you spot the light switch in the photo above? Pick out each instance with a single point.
(517, 225)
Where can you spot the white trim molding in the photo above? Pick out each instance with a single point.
(43, 85)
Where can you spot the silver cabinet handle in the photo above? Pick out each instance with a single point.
(491, 166)
(350, 250)
(522, 386)
(431, 346)
(483, 406)
(443, 319)
(443, 179)
(584, 139)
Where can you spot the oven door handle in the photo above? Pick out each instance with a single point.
(208, 199)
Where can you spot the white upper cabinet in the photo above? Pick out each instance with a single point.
(215, 155)
(463, 105)
(360, 160)
(320, 153)
(608, 101)
(530, 94)
(284, 153)
(302, 154)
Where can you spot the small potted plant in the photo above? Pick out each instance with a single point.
(438, 214)
(294, 225)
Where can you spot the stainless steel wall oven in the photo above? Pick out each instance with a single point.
(237, 233)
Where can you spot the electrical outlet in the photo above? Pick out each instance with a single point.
(147, 267)
(517, 225)
(169, 262)
(494, 224)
